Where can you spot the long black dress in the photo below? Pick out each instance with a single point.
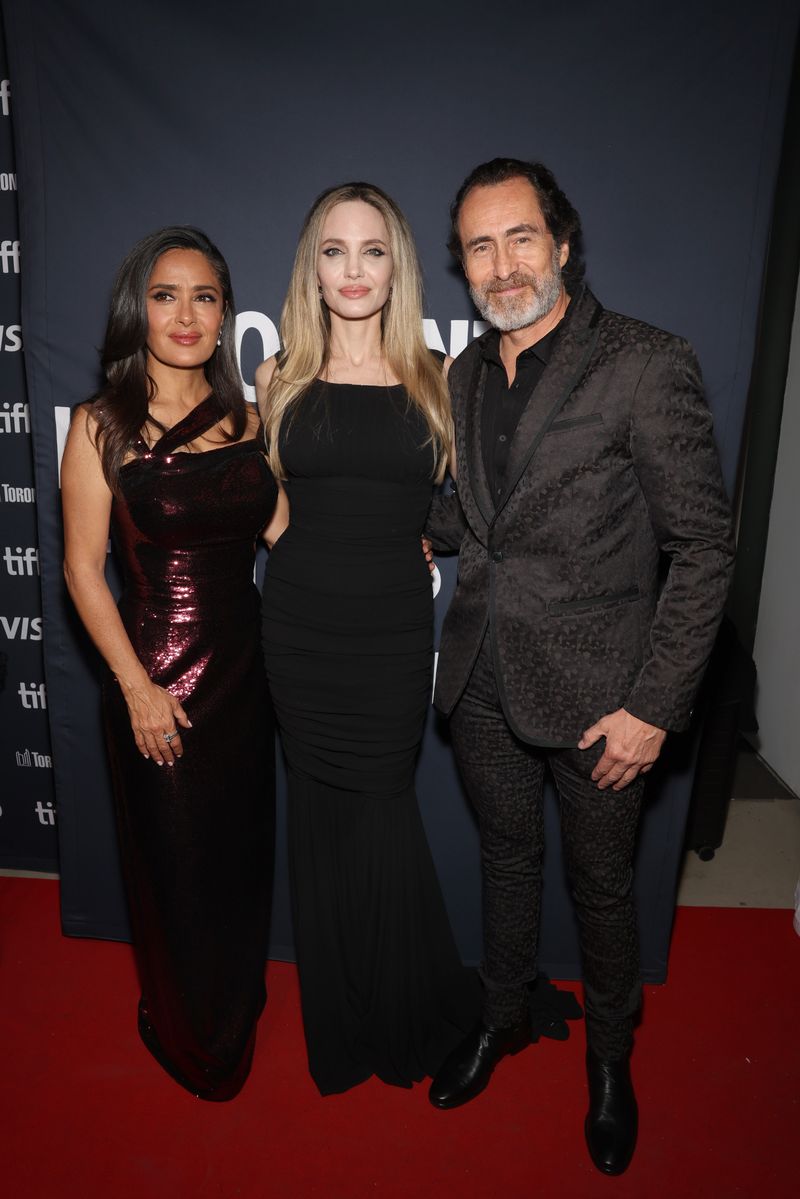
(348, 635)
(196, 838)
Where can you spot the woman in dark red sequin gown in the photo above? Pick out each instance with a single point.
(187, 713)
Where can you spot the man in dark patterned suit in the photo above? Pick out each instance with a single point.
(584, 456)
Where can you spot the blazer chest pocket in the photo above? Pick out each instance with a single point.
(592, 602)
(576, 422)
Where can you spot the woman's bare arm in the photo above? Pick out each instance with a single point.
(86, 500)
(263, 378)
(279, 521)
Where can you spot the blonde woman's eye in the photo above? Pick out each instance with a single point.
(376, 252)
(331, 251)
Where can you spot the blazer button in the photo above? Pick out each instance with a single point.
(497, 556)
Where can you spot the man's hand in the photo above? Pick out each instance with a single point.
(632, 747)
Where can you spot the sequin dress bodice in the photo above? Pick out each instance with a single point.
(185, 528)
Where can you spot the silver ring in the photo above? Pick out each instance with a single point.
(170, 736)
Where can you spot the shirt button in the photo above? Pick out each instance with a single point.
(497, 556)
(499, 490)
(502, 437)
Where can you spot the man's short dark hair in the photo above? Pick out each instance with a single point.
(562, 219)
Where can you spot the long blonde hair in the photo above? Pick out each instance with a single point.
(306, 334)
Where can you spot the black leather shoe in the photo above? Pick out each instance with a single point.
(613, 1117)
(467, 1070)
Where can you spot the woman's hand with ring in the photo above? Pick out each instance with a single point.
(155, 716)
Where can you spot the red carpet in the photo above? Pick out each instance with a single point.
(85, 1112)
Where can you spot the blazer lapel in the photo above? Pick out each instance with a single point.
(472, 440)
(571, 355)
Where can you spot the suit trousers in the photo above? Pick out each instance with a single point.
(504, 779)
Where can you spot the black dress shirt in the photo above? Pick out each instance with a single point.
(503, 405)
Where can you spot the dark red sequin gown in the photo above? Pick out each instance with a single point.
(197, 838)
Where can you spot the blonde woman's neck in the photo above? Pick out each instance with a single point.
(356, 353)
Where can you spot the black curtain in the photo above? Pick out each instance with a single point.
(662, 123)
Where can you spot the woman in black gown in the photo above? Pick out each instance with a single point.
(169, 457)
(358, 424)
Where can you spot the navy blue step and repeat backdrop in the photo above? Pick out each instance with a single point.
(662, 122)
(27, 798)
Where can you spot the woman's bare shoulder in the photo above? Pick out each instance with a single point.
(265, 371)
(83, 420)
(253, 420)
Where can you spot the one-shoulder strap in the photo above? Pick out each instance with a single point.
(194, 424)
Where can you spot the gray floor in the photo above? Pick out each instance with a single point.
(758, 863)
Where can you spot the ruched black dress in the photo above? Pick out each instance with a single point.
(196, 838)
(348, 635)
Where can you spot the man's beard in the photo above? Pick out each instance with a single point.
(509, 313)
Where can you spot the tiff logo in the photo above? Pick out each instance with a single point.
(21, 561)
(28, 757)
(5, 96)
(32, 695)
(10, 335)
(22, 628)
(9, 253)
(16, 419)
(45, 812)
(18, 495)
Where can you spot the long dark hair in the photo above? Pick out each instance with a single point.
(121, 408)
(562, 219)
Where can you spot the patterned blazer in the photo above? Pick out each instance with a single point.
(602, 570)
